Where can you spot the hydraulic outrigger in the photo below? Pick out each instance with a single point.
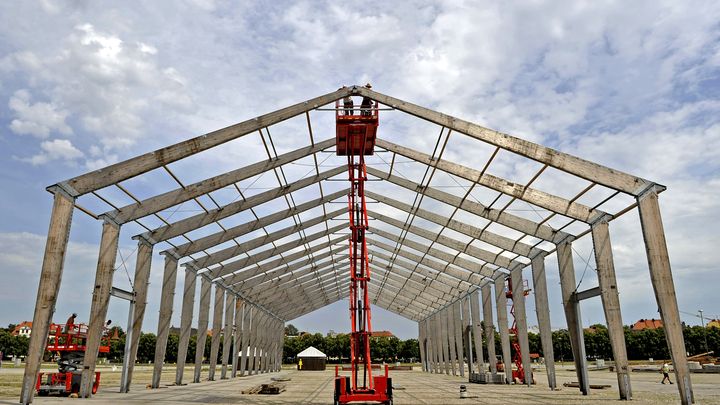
(355, 138)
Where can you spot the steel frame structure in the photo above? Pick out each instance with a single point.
(426, 282)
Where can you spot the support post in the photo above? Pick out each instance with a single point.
(202, 329)
(50, 279)
(247, 319)
(542, 310)
(664, 288)
(227, 333)
(447, 360)
(572, 314)
(421, 344)
(518, 297)
(486, 292)
(502, 319)
(217, 327)
(457, 313)
(100, 300)
(186, 318)
(611, 303)
(450, 317)
(477, 331)
(468, 336)
(238, 335)
(141, 280)
(166, 308)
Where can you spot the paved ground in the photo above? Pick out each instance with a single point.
(412, 387)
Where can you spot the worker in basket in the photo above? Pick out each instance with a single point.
(366, 105)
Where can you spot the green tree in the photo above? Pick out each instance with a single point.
(146, 347)
(291, 330)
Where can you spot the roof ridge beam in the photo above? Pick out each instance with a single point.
(127, 169)
(576, 166)
(530, 195)
(160, 202)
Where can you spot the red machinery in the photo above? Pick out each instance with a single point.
(68, 341)
(518, 373)
(355, 138)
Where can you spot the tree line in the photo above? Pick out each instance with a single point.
(337, 347)
(641, 345)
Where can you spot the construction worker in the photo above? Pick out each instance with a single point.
(70, 323)
(666, 373)
(348, 104)
(366, 103)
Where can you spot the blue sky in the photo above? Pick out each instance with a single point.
(634, 86)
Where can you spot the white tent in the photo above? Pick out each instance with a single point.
(311, 352)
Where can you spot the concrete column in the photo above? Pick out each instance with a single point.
(50, 278)
(227, 333)
(256, 344)
(542, 310)
(238, 335)
(468, 335)
(100, 300)
(502, 319)
(216, 330)
(430, 344)
(457, 315)
(447, 352)
(202, 329)
(252, 341)
(186, 317)
(140, 285)
(572, 314)
(611, 304)
(442, 325)
(486, 292)
(476, 325)
(518, 298)
(664, 287)
(166, 309)
(247, 319)
(451, 335)
(421, 344)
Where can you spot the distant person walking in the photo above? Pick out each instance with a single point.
(666, 373)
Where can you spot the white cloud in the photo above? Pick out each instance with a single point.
(110, 86)
(38, 119)
(57, 149)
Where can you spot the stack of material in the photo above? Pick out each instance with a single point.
(272, 388)
(704, 358)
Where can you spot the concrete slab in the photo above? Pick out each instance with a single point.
(413, 387)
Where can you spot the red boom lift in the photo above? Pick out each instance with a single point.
(355, 138)
(68, 341)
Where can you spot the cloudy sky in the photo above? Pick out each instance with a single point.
(631, 85)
